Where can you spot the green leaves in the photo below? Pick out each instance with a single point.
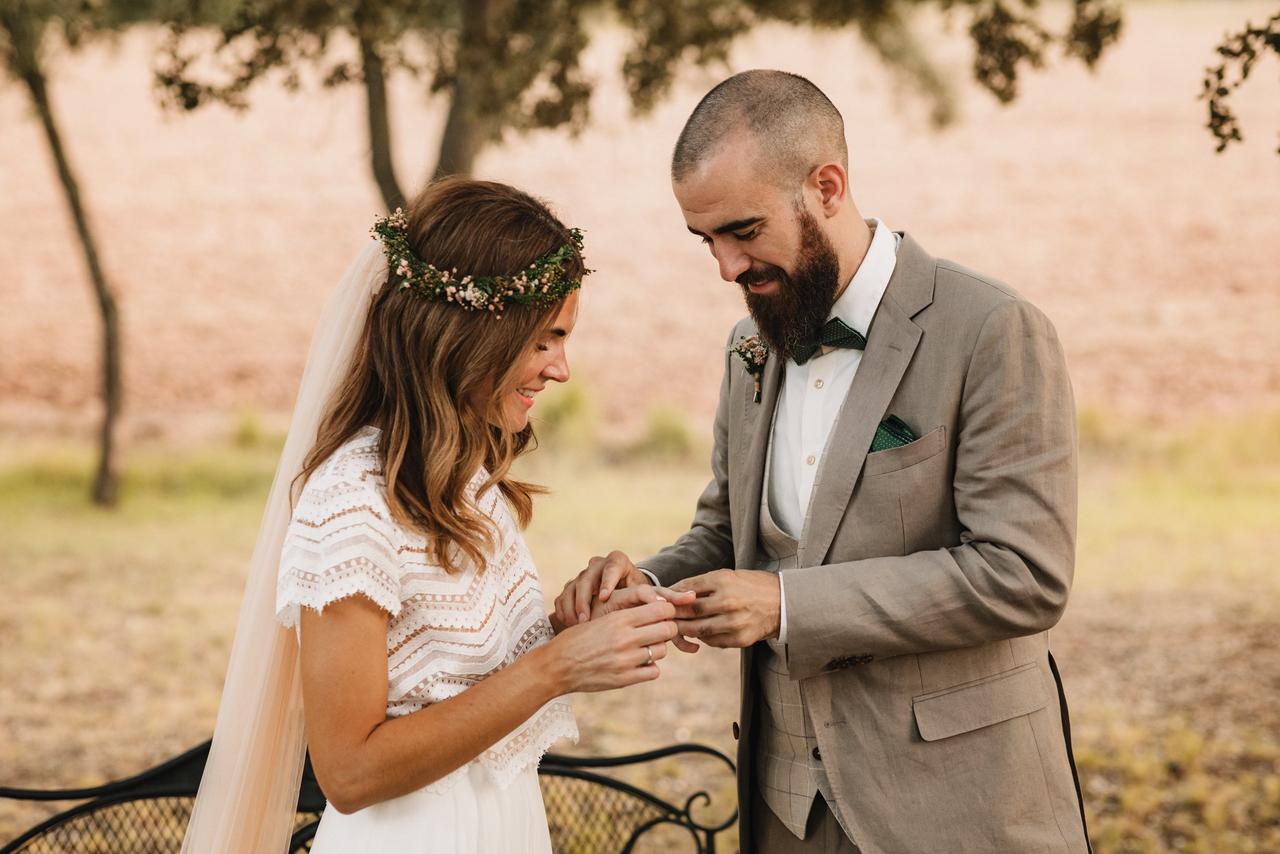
(1239, 52)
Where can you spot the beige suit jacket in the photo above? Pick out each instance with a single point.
(929, 574)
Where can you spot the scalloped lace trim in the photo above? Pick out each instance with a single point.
(295, 595)
(522, 749)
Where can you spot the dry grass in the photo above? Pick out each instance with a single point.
(116, 626)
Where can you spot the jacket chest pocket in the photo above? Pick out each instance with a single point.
(897, 459)
(903, 502)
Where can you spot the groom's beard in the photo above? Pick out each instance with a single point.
(797, 312)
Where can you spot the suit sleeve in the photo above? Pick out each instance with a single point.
(708, 544)
(1015, 498)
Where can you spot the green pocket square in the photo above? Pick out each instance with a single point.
(893, 432)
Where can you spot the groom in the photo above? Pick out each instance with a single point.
(889, 532)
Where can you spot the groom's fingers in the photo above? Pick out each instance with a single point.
(614, 568)
(585, 589)
(703, 628)
(684, 644)
(707, 582)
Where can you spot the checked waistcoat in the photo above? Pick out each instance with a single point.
(788, 772)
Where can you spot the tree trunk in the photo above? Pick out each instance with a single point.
(375, 88)
(106, 482)
(464, 133)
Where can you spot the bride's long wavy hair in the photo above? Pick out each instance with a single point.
(432, 376)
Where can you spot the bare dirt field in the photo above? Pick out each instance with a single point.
(1097, 195)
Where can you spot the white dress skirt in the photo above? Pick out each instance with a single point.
(472, 816)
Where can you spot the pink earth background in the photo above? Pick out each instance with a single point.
(1098, 196)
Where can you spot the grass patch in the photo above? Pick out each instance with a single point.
(1168, 787)
(117, 623)
(1173, 507)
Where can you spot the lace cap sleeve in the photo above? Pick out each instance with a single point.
(341, 539)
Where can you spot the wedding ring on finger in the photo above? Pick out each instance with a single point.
(649, 652)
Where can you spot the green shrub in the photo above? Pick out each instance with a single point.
(248, 432)
(667, 437)
(565, 418)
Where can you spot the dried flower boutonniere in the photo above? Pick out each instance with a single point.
(753, 353)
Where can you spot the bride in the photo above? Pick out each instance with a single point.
(393, 612)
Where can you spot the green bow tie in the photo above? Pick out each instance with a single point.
(834, 333)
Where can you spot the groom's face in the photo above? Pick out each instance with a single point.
(766, 241)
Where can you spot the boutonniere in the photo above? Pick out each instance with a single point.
(753, 353)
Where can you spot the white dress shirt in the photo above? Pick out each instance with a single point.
(812, 395)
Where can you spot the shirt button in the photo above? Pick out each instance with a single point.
(817, 754)
(818, 383)
(809, 460)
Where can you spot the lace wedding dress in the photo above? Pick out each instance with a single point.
(447, 632)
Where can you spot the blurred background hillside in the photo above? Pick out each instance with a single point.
(1096, 194)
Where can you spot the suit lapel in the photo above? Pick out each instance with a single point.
(745, 492)
(891, 342)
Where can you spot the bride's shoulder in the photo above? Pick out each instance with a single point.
(357, 455)
(352, 473)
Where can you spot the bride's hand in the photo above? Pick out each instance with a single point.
(619, 649)
(641, 594)
(630, 597)
(602, 577)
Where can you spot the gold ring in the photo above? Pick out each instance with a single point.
(649, 652)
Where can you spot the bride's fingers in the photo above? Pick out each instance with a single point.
(647, 655)
(658, 611)
(677, 597)
(654, 633)
(565, 604)
(628, 597)
(562, 612)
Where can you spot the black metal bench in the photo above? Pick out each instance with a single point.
(587, 810)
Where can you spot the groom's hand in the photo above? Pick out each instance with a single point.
(601, 577)
(734, 608)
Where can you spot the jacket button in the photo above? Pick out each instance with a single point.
(817, 754)
(736, 732)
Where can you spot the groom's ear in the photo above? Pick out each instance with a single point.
(831, 182)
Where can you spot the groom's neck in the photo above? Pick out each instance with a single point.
(851, 238)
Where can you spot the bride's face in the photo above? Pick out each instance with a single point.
(546, 361)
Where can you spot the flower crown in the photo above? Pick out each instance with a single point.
(542, 283)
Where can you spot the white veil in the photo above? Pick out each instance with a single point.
(249, 790)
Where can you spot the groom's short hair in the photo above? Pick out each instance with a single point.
(795, 125)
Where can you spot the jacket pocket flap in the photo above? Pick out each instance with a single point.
(895, 459)
(998, 698)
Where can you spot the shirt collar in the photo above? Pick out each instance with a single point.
(858, 304)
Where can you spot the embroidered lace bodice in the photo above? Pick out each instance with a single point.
(447, 632)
